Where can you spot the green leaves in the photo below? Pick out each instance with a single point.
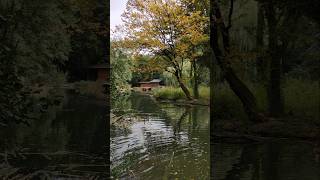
(121, 72)
(34, 40)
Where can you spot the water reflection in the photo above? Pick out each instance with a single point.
(166, 142)
(67, 142)
(276, 160)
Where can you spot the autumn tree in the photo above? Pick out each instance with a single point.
(168, 31)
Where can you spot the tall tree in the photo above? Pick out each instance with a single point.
(274, 91)
(218, 30)
(260, 61)
(281, 18)
(167, 30)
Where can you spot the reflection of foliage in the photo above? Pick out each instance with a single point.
(120, 102)
(130, 159)
(123, 121)
(120, 111)
(72, 171)
(48, 142)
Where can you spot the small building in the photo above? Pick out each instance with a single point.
(98, 72)
(149, 85)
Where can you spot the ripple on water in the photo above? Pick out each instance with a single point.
(155, 142)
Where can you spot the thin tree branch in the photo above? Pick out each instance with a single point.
(230, 14)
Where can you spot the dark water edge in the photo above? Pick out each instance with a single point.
(273, 160)
(67, 142)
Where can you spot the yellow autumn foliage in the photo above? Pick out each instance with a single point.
(156, 26)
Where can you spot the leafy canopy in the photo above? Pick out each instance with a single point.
(166, 29)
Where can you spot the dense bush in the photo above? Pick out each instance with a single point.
(302, 98)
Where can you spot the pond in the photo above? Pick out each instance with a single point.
(164, 142)
(66, 142)
(275, 160)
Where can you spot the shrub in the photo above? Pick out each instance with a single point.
(301, 98)
(226, 105)
(204, 92)
(170, 93)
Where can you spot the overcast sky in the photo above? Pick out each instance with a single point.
(117, 7)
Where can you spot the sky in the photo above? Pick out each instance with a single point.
(117, 7)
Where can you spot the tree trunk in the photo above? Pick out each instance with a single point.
(238, 87)
(182, 85)
(260, 61)
(195, 80)
(274, 86)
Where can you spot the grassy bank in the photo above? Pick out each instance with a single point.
(301, 100)
(176, 93)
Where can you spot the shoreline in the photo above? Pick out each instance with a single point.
(179, 102)
(276, 129)
(285, 128)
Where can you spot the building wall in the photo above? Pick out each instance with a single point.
(102, 74)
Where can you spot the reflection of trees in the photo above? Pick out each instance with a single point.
(248, 163)
(144, 103)
(177, 126)
(54, 139)
(121, 103)
(162, 130)
(194, 118)
(270, 161)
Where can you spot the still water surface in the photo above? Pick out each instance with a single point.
(169, 142)
(275, 160)
(164, 142)
(65, 143)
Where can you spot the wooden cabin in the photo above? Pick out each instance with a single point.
(149, 85)
(98, 72)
